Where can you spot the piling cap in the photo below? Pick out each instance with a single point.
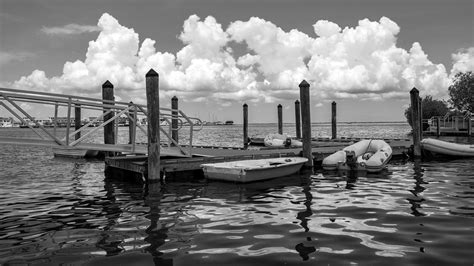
(414, 90)
(151, 73)
(297, 101)
(107, 84)
(333, 102)
(279, 106)
(304, 84)
(245, 105)
(174, 98)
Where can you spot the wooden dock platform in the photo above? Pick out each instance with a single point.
(172, 166)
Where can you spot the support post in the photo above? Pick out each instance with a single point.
(298, 119)
(174, 118)
(55, 122)
(306, 122)
(77, 120)
(420, 108)
(68, 121)
(438, 126)
(469, 126)
(280, 119)
(333, 120)
(109, 129)
(246, 125)
(416, 117)
(153, 116)
(131, 124)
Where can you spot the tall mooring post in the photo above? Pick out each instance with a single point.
(131, 123)
(153, 117)
(333, 120)
(174, 118)
(298, 119)
(306, 122)
(77, 120)
(415, 121)
(246, 124)
(438, 126)
(469, 125)
(108, 97)
(280, 119)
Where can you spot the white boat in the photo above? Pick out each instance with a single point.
(447, 148)
(253, 170)
(365, 155)
(280, 140)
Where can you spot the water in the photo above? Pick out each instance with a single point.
(56, 211)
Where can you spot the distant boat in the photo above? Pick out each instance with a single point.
(253, 170)
(447, 148)
(229, 122)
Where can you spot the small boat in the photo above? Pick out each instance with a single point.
(365, 155)
(280, 140)
(447, 148)
(253, 170)
(71, 152)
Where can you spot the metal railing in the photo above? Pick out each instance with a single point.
(13, 100)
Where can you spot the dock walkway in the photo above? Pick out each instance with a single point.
(208, 154)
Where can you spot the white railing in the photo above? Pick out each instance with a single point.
(12, 101)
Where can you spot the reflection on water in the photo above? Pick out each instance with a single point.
(416, 213)
(65, 212)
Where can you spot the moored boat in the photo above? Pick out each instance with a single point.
(365, 155)
(447, 148)
(280, 140)
(253, 170)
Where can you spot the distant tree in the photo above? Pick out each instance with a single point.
(462, 92)
(430, 108)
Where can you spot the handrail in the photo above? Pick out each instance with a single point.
(119, 109)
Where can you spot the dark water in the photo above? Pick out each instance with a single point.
(55, 211)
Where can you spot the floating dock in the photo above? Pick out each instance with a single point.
(175, 166)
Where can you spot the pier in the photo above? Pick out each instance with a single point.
(162, 153)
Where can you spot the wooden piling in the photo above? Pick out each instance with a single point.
(246, 124)
(416, 117)
(55, 122)
(153, 116)
(306, 122)
(280, 119)
(174, 118)
(131, 124)
(109, 129)
(333, 120)
(469, 126)
(77, 120)
(438, 126)
(298, 119)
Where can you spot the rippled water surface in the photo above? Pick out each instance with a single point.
(56, 211)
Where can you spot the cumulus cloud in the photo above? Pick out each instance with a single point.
(360, 62)
(463, 61)
(69, 29)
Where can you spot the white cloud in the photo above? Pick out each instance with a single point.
(360, 62)
(69, 29)
(463, 61)
(8, 57)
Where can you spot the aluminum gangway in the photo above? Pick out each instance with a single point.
(26, 105)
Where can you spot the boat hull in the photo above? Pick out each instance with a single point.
(380, 151)
(253, 170)
(447, 148)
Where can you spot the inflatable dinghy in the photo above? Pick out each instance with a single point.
(447, 148)
(279, 140)
(365, 155)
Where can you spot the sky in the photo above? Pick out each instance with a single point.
(217, 55)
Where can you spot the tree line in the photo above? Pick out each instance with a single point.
(461, 100)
